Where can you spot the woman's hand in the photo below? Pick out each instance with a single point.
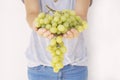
(43, 32)
(71, 34)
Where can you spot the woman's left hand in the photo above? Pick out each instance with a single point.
(71, 34)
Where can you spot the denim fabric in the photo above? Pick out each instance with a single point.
(69, 72)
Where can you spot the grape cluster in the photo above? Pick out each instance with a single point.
(59, 23)
(57, 50)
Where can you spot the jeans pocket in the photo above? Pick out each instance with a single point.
(36, 68)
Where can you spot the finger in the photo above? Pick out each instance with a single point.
(65, 35)
(41, 31)
(50, 36)
(75, 32)
(34, 28)
(47, 33)
(70, 34)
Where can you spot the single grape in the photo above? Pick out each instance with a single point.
(53, 42)
(56, 19)
(56, 70)
(59, 65)
(48, 26)
(55, 59)
(63, 49)
(57, 14)
(63, 18)
(66, 24)
(46, 21)
(54, 24)
(58, 52)
(41, 21)
(84, 24)
(61, 44)
(66, 15)
(53, 30)
(80, 28)
(59, 39)
(61, 28)
(41, 15)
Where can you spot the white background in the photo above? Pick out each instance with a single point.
(102, 37)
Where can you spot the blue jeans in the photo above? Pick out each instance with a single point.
(69, 72)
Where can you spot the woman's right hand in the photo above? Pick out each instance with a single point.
(43, 32)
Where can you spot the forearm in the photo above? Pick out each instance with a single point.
(30, 18)
(32, 10)
(81, 8)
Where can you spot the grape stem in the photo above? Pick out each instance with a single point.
(50, 9)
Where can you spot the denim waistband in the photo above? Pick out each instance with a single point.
(65, 68)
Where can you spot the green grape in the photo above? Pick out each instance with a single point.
(53, 54)
(54, 24)
(50, 17)
(66, 15)
(65, 30)
(74, 23)
(72, 13)
(61, 44)
(66, 24)
(80, 28)
(63, 18)
(49, 48)
(84, 24)
(41, 21)
(61, 28)
(55, 47)
(78, 18)
(72, 18)
(53, 42)
(46, 21)
(56, 70)
(59, 65)
(58, 52)
(69, 21)
(60, 21)
(56, 19)
(63, 49)
(58, 32)
(66, 11)
(55, 59)
(59, 39)
(43, 26)
(41, 15)
(57, 14)
(48, 26)
(53, 30)
(37, 25)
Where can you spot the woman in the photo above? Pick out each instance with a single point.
(75, 59)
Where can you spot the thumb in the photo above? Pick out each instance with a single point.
(34, 27)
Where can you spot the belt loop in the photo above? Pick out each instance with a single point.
(43, 67)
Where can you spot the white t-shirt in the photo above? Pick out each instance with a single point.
(76, 49)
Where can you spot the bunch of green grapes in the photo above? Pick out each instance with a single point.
(57, 50)
(59, 23)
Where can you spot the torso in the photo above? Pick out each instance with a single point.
(76, 49)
